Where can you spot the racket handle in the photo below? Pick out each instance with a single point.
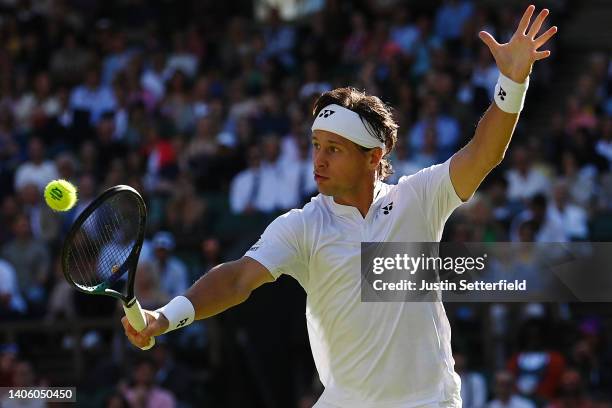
(137, 319)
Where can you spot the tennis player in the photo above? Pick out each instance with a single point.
(369, 355)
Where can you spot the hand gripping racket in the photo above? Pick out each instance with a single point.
(104, 244)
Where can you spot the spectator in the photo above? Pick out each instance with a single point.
(23, 376)
(44, 223)
(451, 17)
(298, 183)
(524, 181)
(31, 260)
(402, 165)
(473, 385)
(571, 392)
(505, 397)
(70, 61)
(11, 302)
(171, 270)
(144, 392)
(8, 361)
(445, 127)
(34, 108)
(537, 368)
(573, 218)
(151, 294)
(547, 228)
(187, 215)
(172, 374)
(254, 189)
(36, 170)
(92, 98)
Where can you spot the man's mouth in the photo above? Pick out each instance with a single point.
(319, 177)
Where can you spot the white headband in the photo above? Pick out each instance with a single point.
(346, 123)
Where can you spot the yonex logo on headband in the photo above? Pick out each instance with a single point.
(347, 124)
(326, 113)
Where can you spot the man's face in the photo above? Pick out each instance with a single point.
(340, 166)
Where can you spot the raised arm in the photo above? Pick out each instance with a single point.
(470, 165)
(224, 286)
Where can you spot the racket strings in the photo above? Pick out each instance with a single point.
(104, 241)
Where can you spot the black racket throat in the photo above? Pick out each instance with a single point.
(100, 253)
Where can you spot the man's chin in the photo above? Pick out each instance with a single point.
(325, 191)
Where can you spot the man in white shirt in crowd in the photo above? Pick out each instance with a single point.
(572, 217)
(380, 354)
(297, 184)
(505, 397)
(525, 181)
(257, 189)
(36, 170)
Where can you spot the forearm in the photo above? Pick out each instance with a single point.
(216, 291)
(471, 164)
(493, 135)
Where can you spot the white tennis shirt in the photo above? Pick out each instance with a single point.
(369, 355)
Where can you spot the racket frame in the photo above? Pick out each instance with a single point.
(131, 307)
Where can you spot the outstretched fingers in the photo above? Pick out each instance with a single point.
(537, 24)
(524, 23)
(541, 55)
(541, 40)
(488, 40)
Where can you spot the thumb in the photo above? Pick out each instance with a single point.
(488, 40)
(156, 324)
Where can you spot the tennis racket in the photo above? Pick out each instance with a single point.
(103, 245)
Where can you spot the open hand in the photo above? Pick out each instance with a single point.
(515, 58)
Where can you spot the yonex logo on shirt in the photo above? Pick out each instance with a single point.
(326, 113)
(387, 208)
(255, 246)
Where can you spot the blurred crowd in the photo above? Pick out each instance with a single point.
(206, 111)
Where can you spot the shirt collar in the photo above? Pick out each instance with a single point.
(341, 209)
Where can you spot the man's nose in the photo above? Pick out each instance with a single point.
(319, 160)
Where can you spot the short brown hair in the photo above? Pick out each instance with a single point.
(370, 109)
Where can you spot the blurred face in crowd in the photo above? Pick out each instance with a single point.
(253, 157)
(23, 376)
(521, 160)
(271, 148)
(106, 128)
(340, 166)
(162, 253)
(42, 84)
(571, 383)
(36, 150)
(21, 228)
(144, 374)
(92, 79)
(29, 194)
(504, 382)
(87, 186)
(561, 194)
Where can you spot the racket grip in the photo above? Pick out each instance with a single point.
(137, 319)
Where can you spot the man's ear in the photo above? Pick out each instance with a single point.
(375, 155)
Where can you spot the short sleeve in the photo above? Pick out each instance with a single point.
(280, 247)
(433, 189)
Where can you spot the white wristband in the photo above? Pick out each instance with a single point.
(509, 95)
(179, 312)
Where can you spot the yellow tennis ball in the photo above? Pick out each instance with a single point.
(60, 195)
